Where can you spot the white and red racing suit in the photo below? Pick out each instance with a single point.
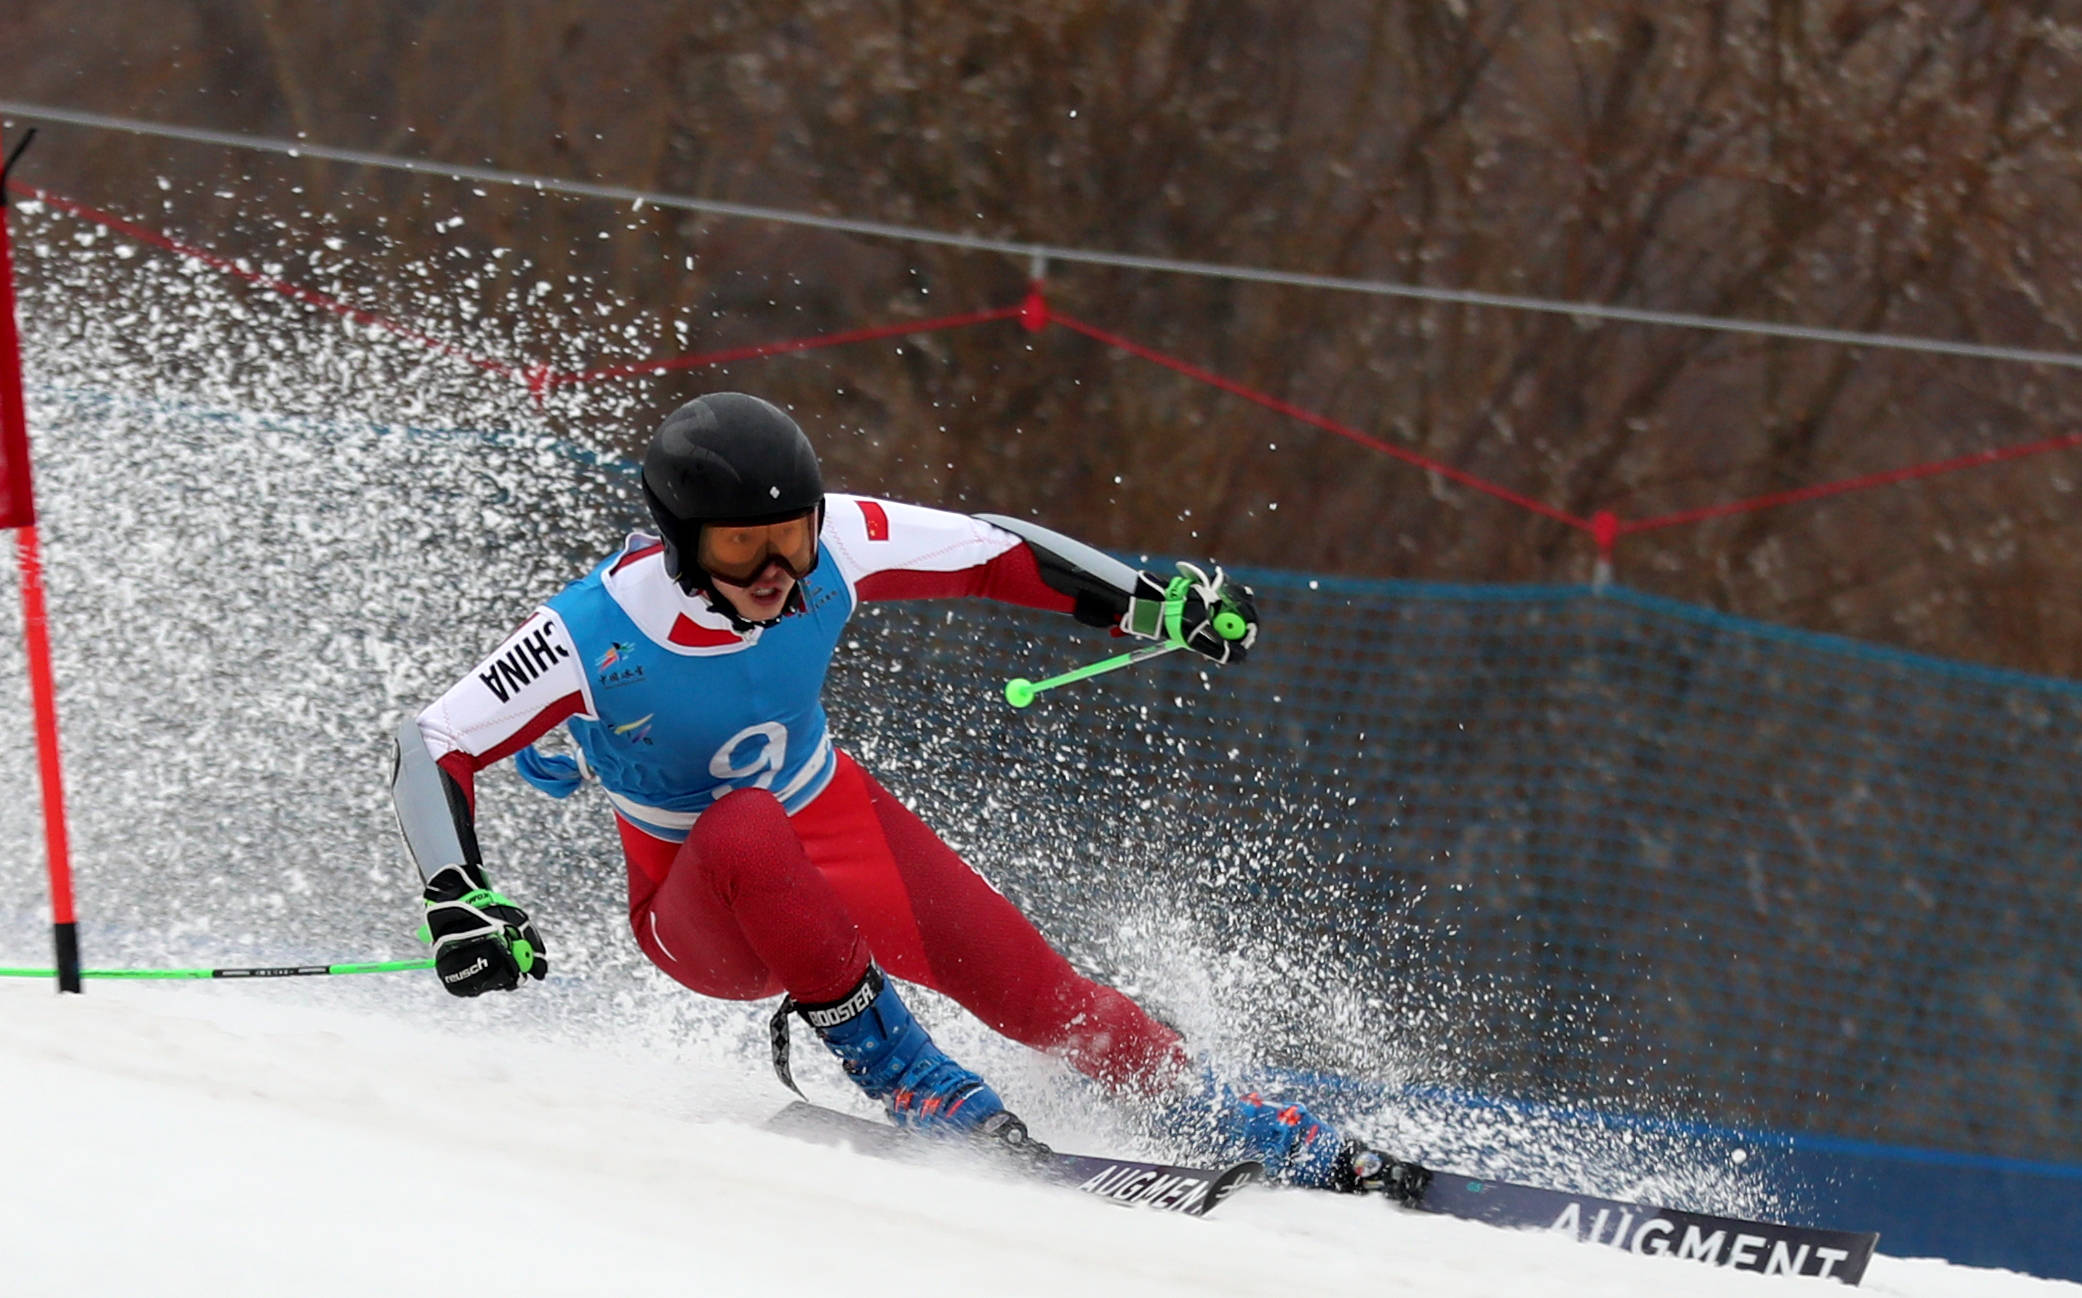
(760, 858)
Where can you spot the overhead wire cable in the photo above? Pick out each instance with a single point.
(1605, 527)
(1041, 252)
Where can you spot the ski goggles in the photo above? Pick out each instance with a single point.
(739, 552)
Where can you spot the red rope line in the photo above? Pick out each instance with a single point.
(1035, 314)
(1885, 478)
(756, 351)
(1328, 425)
(310, 296)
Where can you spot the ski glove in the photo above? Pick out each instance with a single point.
(1213, 616)
(482, 941)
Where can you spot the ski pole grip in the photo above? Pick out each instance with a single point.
(1230, 625)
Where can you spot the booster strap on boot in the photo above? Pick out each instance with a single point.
(822, 1016)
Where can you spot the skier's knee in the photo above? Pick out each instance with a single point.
(756, 812)
(745, 839)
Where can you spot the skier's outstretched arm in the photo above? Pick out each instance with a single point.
(890, 550)
(482, 940)
(1109, 593)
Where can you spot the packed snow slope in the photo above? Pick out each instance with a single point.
(222, 1140)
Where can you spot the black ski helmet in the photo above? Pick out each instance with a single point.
(726, 458)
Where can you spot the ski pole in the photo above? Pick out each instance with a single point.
(1019, 691)
(275, 971)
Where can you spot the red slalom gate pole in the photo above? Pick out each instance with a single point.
(44, 696)
(18, 511)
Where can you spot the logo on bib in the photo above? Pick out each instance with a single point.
(617, 666)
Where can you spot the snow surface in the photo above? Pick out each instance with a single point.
(220, 1140)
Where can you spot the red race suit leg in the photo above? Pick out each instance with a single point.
(756, 902)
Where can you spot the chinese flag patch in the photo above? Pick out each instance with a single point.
(877, 520)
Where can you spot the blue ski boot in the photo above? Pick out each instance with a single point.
(890, 1056)
(1213, 1119)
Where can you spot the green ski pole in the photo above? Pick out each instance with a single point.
(276, 971)
(1019, 691)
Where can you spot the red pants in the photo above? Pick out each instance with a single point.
(756, 902)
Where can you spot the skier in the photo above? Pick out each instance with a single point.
(762, 860)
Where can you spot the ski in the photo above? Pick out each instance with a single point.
(1189, 1191)
(1733, 1242)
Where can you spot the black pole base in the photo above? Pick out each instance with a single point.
(68, 941)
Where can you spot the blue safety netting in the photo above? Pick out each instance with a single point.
(1574, 844)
